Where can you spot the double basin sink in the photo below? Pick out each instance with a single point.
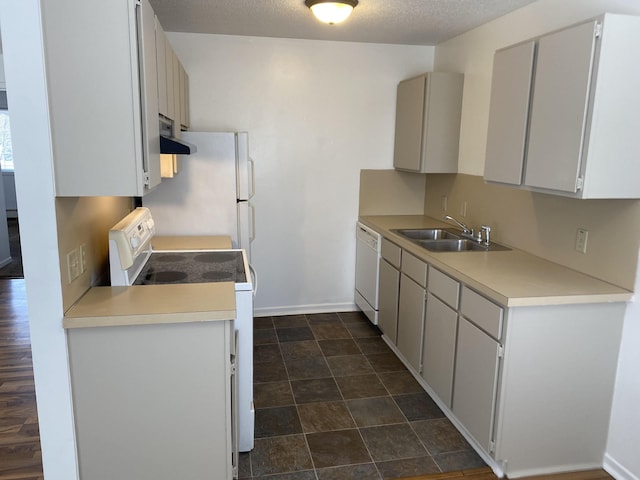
(446, 240)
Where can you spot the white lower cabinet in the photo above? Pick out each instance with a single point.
(476, 377)
(439, 346)
(411, 320)
(517, 381)
(154, 402)
(389, 289)
(411, 310)
(389, 294)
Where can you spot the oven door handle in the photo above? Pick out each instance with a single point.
(254, 277)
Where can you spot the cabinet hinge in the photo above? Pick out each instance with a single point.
(598, 30)
(234, 472)
(500, 351)
(147, 179)
(579, 183)
(233, 368)
(492, 446)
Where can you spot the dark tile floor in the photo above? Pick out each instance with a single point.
(333, 402)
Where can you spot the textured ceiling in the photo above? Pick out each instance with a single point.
(410, 22)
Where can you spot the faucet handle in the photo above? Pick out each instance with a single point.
(486, 229)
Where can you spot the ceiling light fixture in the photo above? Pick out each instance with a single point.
(331, 12)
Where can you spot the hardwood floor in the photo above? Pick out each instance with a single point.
(20, 456)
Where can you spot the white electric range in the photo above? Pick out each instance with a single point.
(133, 261)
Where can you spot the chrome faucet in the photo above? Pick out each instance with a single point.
(465, 230)
(486, 229)
(481, 237)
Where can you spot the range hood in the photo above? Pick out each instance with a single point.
(172, 145)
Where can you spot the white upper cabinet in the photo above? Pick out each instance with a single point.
(103, 107)
(173, 84)
(428, 109)
(559, 108)
(184, 98)
(509, 111)
(582, 120)
(161, 56)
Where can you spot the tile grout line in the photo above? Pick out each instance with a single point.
(361, 346)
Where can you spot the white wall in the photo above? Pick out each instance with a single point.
(30, 131)
(316, 112)
(472, 53)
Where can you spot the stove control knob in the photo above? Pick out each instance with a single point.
(135, 242)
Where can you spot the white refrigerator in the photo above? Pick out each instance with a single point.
(212, 193)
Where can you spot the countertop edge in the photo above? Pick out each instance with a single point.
(147, 319)
(152, 304)
(612, 294)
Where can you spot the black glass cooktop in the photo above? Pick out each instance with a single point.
(193, 267)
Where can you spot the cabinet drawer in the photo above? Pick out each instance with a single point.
(414, 268)
(484, 313)
(444, 287)
(391, 252)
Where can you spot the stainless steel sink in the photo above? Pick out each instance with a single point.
(429, 233)
(446, 240)
(452, 245)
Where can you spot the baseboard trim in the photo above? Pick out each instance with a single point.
(304, 309)
(616, 469)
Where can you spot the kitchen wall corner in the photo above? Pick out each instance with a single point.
(546, 225)
(390, 192)
(317, 112)
(86, 221)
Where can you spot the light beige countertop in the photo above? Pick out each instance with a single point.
(153, 304)
(199, 242)
(511, 278)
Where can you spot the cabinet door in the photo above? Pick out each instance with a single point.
(559, 108)
(475, 384)
(103, 101)
(132, 408)
(407, 153)
(171, 104)
(149, 94)
(411, 321)
(438, 354)
(184, 98)
(508, 113)
(161, 57)
(388, 300)
(441, 129)
(176, 95)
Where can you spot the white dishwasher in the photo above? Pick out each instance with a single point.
(368, 245)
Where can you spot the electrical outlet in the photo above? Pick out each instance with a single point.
(581, 240)
(463, 209)
(73, 265)
(444, 203)
(83, 258)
